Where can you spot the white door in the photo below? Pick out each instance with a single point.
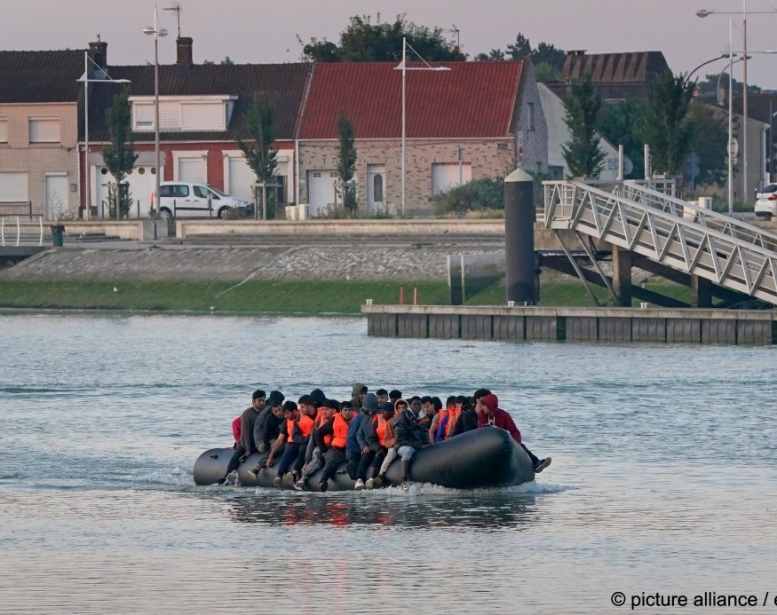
(241, 179)
(376, 188)
(193, 170)
(57, 187)
(446, 176)
(321, 190)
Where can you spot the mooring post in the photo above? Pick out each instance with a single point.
(520, 216)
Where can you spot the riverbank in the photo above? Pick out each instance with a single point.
(300, 280)
(307, 297)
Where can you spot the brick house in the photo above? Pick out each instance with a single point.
(202, 111)
(477, 120)
(39, 131)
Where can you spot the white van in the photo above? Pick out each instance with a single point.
(190, 200)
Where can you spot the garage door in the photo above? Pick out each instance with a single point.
(446, 176)
(13, 187)
(321, 190)
(241, 178)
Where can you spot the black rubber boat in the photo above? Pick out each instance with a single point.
(481, 458)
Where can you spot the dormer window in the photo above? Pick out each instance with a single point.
(183, 113)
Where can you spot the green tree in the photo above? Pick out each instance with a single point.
(520, 49)
(546, 53)
(666, 127)
(363, 41)
(227, 61)
(119, 155)
(346, 161)
(477, 195)
(544, 72)
(708, 145)
(258, 151)
(583, 108)
(621, 125)
(492, 56)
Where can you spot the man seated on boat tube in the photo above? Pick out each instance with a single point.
(491, 415)
(246, 447)
(412, 434)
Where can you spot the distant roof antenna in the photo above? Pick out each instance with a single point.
(176, 8)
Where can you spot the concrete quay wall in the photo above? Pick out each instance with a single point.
(697, 326)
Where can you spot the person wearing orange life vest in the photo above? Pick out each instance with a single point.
(399, 407)
(314, 457)
(384, 433)
(334, 452)
(441, 427)
(295, 431)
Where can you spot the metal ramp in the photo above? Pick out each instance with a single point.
(637, 217)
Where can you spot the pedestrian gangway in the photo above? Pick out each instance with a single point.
(16, 231)
(640, 217)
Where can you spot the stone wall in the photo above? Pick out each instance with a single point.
(233, 264)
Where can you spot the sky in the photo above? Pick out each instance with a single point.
(266, 31)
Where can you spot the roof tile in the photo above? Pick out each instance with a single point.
(472, 100)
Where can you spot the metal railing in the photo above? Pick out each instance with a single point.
(14, 233)
(670, 231)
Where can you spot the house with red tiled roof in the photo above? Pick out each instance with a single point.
(478, 119)
(39, 132)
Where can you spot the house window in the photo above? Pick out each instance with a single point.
(45, 130)
(377, 188)
(530, 116)
(13, 187)
(3, 130)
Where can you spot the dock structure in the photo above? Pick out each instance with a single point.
(532, 323)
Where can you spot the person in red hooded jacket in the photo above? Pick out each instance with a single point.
(491, 415)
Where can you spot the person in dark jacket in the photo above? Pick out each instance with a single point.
(246, 446)
(468, 419)
(492, 415)
(411, 431)
(270, 431)
(366, 438)
(275, 398)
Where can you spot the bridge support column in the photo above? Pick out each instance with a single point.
(701, 292)
(621, 275)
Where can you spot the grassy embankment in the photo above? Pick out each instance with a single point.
(283, 297)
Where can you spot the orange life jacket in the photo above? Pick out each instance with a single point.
(453, 416)
(340, 428)
(305, 426)
(380, 429)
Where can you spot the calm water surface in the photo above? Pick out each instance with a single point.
(663, 476)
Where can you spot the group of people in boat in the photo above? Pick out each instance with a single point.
(370, 430)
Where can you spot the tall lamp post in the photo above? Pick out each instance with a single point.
(87, 81)
(156, 32)
(705, 13)
(404, 68)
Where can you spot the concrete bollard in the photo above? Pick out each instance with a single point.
(519, 237)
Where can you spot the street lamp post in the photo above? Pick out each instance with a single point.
(156, 32)
(87, 81)
(404, 68)
(705, 13)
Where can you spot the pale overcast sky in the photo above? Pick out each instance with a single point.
(264, 31)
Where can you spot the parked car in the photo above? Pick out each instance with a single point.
(766, 201)
(190, 200)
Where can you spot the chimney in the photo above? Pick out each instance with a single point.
(98, 52)
(185, 54)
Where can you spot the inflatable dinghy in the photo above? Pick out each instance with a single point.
(486, 457)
